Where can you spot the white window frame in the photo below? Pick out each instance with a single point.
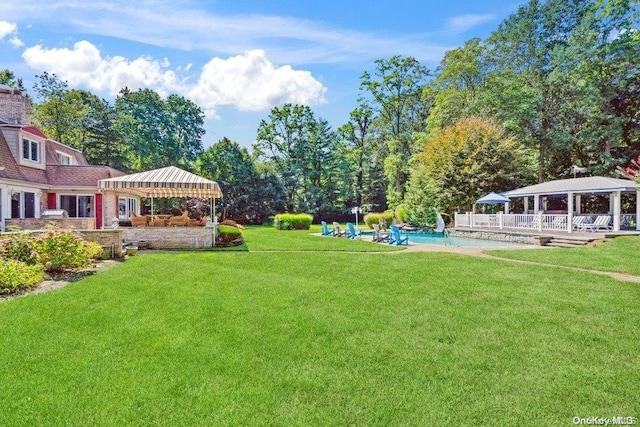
(65, 156)
(130, 205)
(30, 143)
(77, 196)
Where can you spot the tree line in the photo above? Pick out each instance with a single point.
(556, 84)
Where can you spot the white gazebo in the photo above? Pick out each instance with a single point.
(535, 217)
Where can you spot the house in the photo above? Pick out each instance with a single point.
(38, 174)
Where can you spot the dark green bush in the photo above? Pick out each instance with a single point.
(18, 276)
(377, 217)
(227, 234)
(293, 221)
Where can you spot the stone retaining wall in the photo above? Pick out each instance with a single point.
(529, 239)
(110, 240)
(41, 224)
(170, 237)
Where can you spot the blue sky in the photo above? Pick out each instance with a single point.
(235, 59)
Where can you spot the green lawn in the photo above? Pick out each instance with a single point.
(321, 338)
(619, 255)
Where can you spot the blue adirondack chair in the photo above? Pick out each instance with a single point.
(326, 231)
(352, 232)
(395, 238)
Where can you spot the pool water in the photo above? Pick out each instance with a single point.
(461, 242)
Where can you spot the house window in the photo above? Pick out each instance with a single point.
(23, 205)
(77, 206)
(30, 149)
(64, 159)
(126, 205)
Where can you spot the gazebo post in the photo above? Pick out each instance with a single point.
(637, 210)
(569, 212)
(616, 196)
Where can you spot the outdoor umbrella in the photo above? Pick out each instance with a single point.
(492, 199)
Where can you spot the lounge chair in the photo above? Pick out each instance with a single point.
(326, 231)
(396, 238)
(602, 222)
(352, 231)
(337, 232)
(578, 222)
(379, 235)
(180, 219)
(138, 220)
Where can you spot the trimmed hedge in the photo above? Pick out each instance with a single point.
(299, 221)
(227, 234)
(377, 217)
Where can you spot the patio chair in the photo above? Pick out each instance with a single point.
(602, 222)
(352, 232)
(138, 220)
(379, 235)
(326, 231)
(337, 232)
(180, 219)
(158, 221)
(396, 238)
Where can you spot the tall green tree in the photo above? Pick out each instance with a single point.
(299, 148)
(8, 78)
(249, 196)
(159, 132)
(395, 91)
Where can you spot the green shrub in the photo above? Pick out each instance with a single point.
(378, 217)
(18, 276)
(61, 250)
(293, 221)
(227, 234)
(18, 246)
(401, 213)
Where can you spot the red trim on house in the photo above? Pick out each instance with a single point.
(99, 212)
(52, 201)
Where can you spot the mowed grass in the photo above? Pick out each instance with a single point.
(619, 254)
(321, 338)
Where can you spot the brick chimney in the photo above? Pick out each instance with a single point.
(14, 107)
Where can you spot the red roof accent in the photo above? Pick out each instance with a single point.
(34, 131)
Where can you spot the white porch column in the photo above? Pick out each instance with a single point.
(506, 207)
(637, 210)
(578, 204)
(526, 205)
(536, 203)
(616, 197)
(570, 212)
(500, 220)
(612, 203)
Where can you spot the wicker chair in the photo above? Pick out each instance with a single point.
(138, 220)
(180, 220)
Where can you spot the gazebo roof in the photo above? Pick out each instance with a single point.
(586, 185)
(165, 182)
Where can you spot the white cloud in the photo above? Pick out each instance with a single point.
(248, 82)
(465, 22)
(10, 29)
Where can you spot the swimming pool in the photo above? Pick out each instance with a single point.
(460, 242)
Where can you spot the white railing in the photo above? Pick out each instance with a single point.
(535, 222)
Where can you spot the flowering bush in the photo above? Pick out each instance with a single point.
(18, 246)
(632, 172)
(60, 250)
(17, 276)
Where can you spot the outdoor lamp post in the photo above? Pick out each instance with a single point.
(115, 222)
(356, 210)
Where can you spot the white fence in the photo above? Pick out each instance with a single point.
(532, 222)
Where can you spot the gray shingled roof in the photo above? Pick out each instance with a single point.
(587, 185)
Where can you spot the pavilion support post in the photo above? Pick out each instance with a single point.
(536, 204)
(539, 220)
(526, 205)
(616, 196)
(578, 204)
(612, 202)
(506, 208)
(570, 212)
(637, 210)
